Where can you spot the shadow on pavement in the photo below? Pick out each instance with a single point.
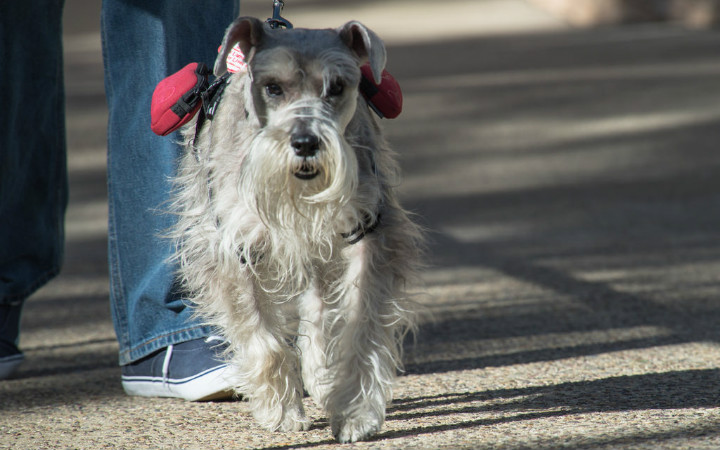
(659, 391)
(612, 207)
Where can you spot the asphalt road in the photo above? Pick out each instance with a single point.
(570, 182)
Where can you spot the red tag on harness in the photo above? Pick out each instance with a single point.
(176, 99)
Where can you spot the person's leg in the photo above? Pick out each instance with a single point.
(144, 42)
(33, 171)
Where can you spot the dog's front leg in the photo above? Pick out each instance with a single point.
(312, 344)
(363, 350)
(268, 365)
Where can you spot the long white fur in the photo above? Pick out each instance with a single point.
(262, 257)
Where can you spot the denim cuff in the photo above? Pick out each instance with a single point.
(11, 299)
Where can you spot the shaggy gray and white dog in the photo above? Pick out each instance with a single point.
(290, 237)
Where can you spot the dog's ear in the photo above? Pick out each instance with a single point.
(246, 31)
(366, 44)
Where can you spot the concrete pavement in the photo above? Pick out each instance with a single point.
(570, 180)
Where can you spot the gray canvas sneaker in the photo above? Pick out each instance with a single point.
(191, 370)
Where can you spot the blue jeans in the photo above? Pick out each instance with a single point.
(33, 173)
(143, 42)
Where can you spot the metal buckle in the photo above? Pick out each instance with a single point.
(277, 21)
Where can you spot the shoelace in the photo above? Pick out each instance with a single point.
(169, 352)
(166, 364)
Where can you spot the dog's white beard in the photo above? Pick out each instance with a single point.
(302, 216)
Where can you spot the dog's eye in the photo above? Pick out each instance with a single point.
(336, 88)
(273, 90)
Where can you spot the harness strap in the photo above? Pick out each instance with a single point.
(210, 100)
(367, 226)
(211, 96)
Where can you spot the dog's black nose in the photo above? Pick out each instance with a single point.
(305, 144)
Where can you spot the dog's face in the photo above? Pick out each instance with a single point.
(304, 94)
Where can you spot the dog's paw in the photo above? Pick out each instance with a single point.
(355, 428)
(294, 419)
(279, 417)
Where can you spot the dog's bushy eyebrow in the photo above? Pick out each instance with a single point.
(339, 65)
(273, 64)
